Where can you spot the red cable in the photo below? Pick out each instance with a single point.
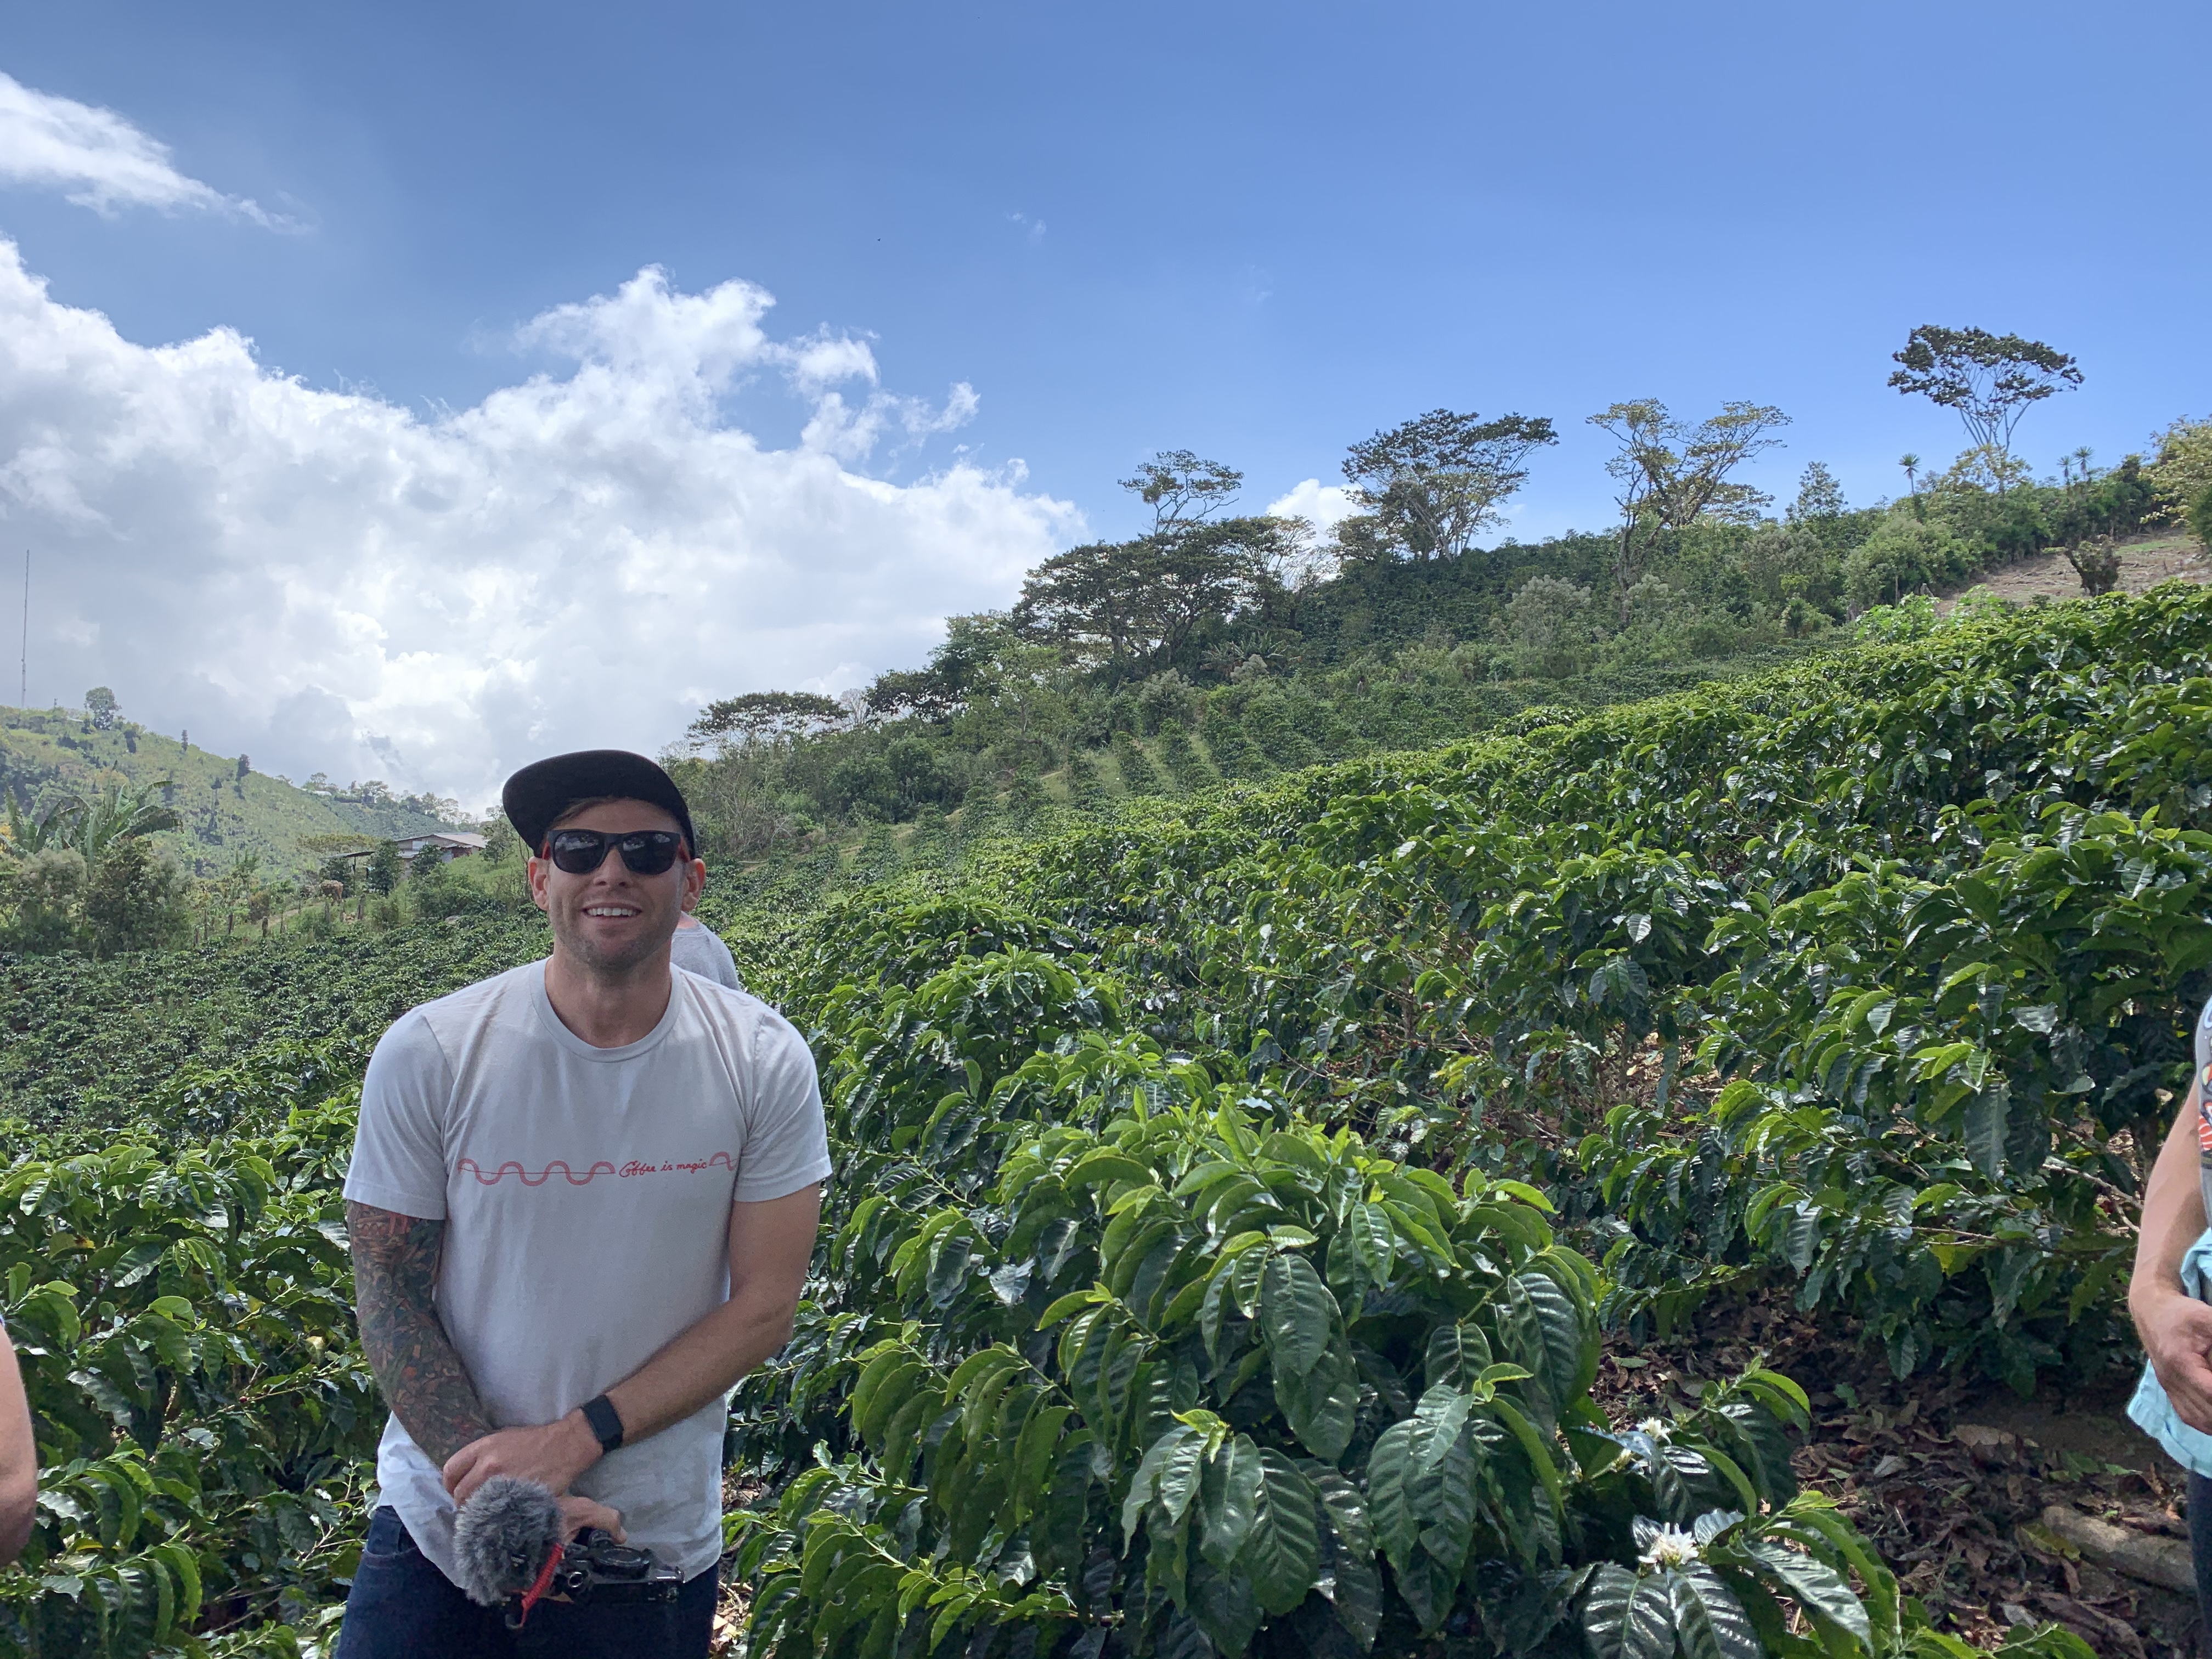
(536, 1592)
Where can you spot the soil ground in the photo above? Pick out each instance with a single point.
(2145, 562)
(1950, 1478)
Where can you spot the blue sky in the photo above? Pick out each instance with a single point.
(1259, 231)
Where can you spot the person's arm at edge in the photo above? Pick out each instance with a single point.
(771, 1242)
(19, 1458)
(2176, 1329)
(395, 1274)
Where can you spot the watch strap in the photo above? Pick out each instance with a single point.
(606, 1422)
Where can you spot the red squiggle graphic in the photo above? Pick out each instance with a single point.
(667, 1167)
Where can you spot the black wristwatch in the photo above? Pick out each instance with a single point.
(606, 1422)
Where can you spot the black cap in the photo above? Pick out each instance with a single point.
(541, 792)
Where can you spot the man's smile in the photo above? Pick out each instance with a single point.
(611, 910)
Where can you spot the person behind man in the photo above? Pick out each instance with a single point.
(582, 1199)
(2169, 1295)
(700, 948)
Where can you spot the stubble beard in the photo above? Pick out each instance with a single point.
(594, 959)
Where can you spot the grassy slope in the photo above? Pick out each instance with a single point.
(45, 753)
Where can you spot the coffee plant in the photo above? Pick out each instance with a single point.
(1234, 1193)
(1158, 1362)
(183, 1322)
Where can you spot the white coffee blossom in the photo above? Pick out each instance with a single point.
(1670, 1547)
(1657, 1429)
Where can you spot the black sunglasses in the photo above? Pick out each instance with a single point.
(646, 851)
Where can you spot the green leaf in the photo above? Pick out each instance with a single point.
(1457, 1355)
(1073, 1302)
(1446, 1498)
(1709, 1623)
(1817, 1586)
(1144, 1483)
(1297, 1312)
(1349, 1577)
(1321, 1407)
(1225, 1608)
(1180, 1474)
(1439, 1421)
(1231, 1499)
(1985, 1126)
(1389, 1492)
(1373, 1245)
(1282, 1553)
(1626, 1617)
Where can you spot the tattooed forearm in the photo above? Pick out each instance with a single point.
(395, 1266)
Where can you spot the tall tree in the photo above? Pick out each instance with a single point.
(1989, 380)
(1671, 474)
(1089, 598)
(960, 669)
(1131, 605)
(765, 716)
(1819, 496)
(1434, 483)
(99, 703)
(1183, 490)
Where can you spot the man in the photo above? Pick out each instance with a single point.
(582, 1199)
(2166, 1296)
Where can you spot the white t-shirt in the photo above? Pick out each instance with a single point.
(586, 1196)
(701, 949)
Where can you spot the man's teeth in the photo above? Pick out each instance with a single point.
(609, 910)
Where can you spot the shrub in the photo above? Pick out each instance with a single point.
(46, 888)
(1548, 623)
(1103, 1348)
(1903, 554)
(184, 1323)
(1269, 723)
(134, 900)
(1139, 776)
(1189, 768)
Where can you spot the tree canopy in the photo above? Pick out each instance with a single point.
(1135, 603)
(1989, 380)
(1432, 484)
(765, 716)
(1183, 490)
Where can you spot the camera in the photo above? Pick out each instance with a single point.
(594, 1568)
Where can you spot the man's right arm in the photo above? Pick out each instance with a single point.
(395, 1272)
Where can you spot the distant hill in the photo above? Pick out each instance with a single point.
(48, 753)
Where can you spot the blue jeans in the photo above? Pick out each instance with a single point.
(2200, 1544)
(401, 1606)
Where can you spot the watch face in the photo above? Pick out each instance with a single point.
(607, 1423)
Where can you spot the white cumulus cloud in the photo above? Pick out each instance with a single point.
(331, 582)
(99, 158)
(1322, 505)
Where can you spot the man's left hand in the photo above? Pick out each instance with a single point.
(553, 1455)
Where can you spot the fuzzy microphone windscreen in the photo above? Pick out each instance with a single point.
(501, 1537)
